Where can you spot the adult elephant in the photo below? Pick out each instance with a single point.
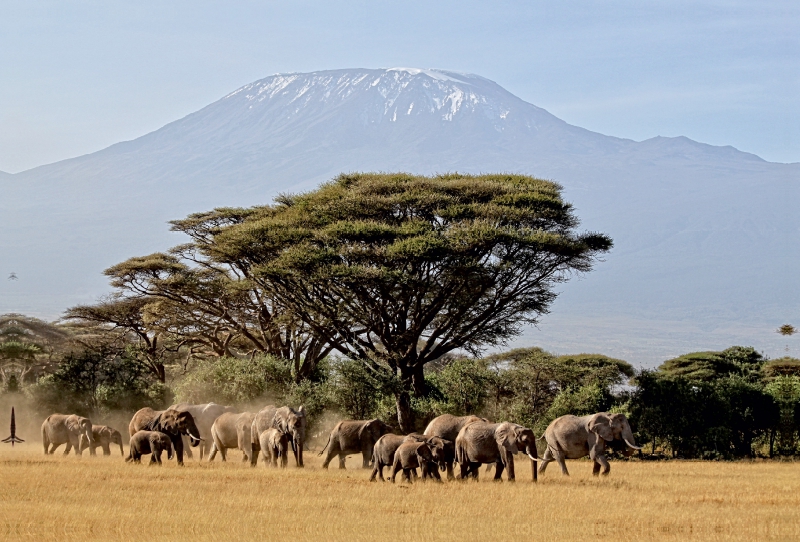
(447, 427)
(104, 436)
(288, 421)
(204, 416)
(573, 437)
(482, 442)
(170, 422)
(232, 430)
(70, 429)
(352, 437)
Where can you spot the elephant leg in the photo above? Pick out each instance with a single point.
(106, 449)
(599, 460)
(68, 448)
(177, 444)
(464, 468)
(223, 453)
(342, 459)
(449, 468)
(561, 460)
(395, 468)
(375, 470)
(366, 457)
(498, 471)
(333, 451)
(509, 466)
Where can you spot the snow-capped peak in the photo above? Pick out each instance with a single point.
(381, 94)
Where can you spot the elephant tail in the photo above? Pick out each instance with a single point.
(461, 455)
(326, 444)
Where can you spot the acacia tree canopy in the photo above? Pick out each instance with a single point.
(398, 270)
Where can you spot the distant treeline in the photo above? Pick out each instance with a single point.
(711, 405)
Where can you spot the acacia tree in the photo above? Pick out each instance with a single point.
(183, 300)
(124, 317)
(398, 270)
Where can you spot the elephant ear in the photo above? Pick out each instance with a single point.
(600, 424)
(107, 431)
(506, 437)
(369, 427)
(169, 420)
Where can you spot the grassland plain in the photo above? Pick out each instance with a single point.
(104, 498)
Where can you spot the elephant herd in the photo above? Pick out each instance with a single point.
(469, 441)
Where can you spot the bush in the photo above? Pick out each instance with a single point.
(96, 382)
(236, 381)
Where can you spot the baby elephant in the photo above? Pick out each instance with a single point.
(412, 454)
(274, 444)
(149, 442)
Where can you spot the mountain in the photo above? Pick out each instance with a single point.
(705, 237)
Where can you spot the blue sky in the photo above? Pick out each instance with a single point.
(77, 76)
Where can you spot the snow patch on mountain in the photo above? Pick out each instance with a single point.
(441, 93)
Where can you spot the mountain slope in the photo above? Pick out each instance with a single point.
(705, 237)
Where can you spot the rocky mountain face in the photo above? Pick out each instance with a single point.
(706, 238)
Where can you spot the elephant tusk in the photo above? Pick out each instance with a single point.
(533, 458)
(632, 445)
(198, 439)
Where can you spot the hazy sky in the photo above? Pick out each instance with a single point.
(77, 76)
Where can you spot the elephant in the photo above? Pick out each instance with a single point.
(149, 442)
(412, 454)
(170, 422)
(232, 431)
(447, 427)
(70, 429)
(573, 437)
(288, 421)
(496, 443)
(104, 436)
(384, 451)
(204, 416)
(274, 445)
(352, 437)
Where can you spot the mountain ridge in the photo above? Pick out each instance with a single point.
(709, 214)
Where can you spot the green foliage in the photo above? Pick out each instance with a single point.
(463, 383)
(96, 382)
(784, 366)
(356, 390)
(701, 367)
(580, 401)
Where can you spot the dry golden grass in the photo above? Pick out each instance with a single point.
(105, 498)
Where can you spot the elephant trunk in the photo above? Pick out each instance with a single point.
(299, 447)
(121, 449)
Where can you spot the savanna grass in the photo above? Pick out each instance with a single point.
(103, 498)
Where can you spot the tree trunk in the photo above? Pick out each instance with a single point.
(405, 416)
